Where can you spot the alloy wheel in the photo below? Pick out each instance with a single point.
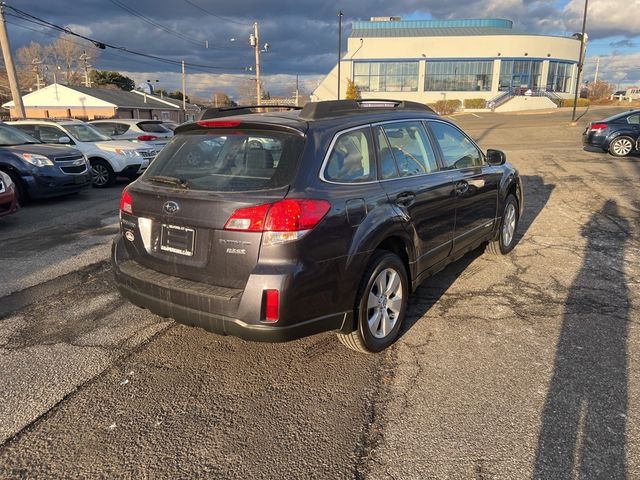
(622, 147)
(384, 303)
(100, 174)
(509, 224)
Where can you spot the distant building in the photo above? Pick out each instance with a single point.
(431, 60)
(65, 101)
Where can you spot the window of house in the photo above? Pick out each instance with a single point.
(559, 78)
(386, 76)
(351, 160)
(457, 150)
(465, 76)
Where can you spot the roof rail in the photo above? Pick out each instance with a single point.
(336, 108)
(219, 112)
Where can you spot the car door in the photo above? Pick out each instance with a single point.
(475, 182)
(419, 189)
(634, 124)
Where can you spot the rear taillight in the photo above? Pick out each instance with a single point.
(598, 126)
(147, 138)
(272, 305)
(281, 221)
(126, 202)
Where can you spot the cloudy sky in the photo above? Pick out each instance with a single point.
(302, 34)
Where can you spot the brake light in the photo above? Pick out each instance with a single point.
(281, 221)
(126, 202)
(218, 123)
(147, 138)
(248, 219)
(598, 126)
(272, 305)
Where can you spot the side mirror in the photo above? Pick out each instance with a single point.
(496, 157)
(64, 140)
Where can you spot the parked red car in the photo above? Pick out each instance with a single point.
(8, 197)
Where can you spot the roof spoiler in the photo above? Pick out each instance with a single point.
(336, 108)
(219, 112)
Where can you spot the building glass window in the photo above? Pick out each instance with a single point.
(559, 78)
(386, 76)
(520, 74)
(464, 76)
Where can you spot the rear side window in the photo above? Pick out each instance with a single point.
(111, 128)
(351, 160)
(634, 119)
(152, 127)
(407, 143)
(229, 161)
(457, 149)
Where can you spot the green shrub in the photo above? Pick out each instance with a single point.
(475, 103)
(447, 107)
(568, 102)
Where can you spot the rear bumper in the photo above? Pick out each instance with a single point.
(597, 143)
(219, 310)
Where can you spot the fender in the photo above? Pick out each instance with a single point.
(509, 183)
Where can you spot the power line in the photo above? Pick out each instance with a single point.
(157, 25)
(216, 15)
(102, 45)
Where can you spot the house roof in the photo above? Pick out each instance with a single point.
(168, 100)
(123, 99)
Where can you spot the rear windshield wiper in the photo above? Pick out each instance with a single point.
(178, 182)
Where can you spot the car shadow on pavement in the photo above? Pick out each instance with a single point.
(585, 412)
(536, 193)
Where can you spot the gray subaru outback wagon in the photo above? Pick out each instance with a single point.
(274, 226)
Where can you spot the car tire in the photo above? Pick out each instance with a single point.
(381, 305)
(21, 192)
(621, 146)
(102, 173)
(508, 227)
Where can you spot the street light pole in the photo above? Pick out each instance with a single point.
(580, 61)
(339, 48)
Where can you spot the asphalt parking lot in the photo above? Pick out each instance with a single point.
(523, 366)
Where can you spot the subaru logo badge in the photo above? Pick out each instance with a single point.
(170, 207)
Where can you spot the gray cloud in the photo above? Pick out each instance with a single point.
(302, 34)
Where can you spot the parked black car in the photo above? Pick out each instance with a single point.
(38, 170)
(617, 135)
(330, 231)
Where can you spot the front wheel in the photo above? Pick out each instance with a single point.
(621, 146)
(102, 172)
(508, 226)
(382, 305)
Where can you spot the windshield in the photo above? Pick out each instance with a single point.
(228, 161)
(86, 133)
(13, 136)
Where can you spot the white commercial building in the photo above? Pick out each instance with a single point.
(431, 60)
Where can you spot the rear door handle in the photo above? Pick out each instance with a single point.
(405, 199)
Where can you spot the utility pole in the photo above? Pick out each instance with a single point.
(254, 40)
(85, 59)
(580, 61)
(36, 68)
(184, 92)
(297, 92)
(339, 48)
(11, 70)
(595, 80)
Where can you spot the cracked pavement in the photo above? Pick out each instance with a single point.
(522, 366)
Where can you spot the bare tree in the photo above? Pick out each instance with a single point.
(600, 90)
(66, 54)
(30, 62)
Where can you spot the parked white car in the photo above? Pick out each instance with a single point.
(148, 131)
(109, 158)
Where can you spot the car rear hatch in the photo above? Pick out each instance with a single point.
(177, 211)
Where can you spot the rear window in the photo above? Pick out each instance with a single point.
(153, 127)
(229, 161)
